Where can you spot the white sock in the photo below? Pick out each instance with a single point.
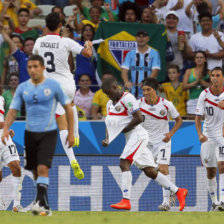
(165, 182)
(126, 184)
(221, 187)
(76, 122)
(166, 192)
(212, 189)
(17, 187)
(69, 151)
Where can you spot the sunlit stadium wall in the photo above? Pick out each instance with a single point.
(101, 186)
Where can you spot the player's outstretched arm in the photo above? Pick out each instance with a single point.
(202, 138)
(87, 51)
(11, 116)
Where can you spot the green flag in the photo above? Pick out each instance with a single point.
(119, 39)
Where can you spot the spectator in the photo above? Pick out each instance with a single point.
(148, 15)
(174, 90)
(196, 80)
(129, 12)
(59, 10)
(84, 96)
(142, 62)
(23, 29)
(8, 94)
(59, 3)
(206, 41)
(161, 9)
(105, 14)
(100, 99)
(10, 64)
(115, 8)
(86, 65)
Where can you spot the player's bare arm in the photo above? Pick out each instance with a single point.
(105, 142)
(221, 104)
(202, 138)
(137, 119)
(70, 121)
(178, 123)
(87, 51)
(11, 116)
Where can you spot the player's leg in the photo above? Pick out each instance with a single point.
(2, 203)
(221, 185)
(126, 185)
(76, 126)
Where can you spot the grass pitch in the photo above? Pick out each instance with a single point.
(7, 217)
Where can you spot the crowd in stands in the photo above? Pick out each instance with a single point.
(195, 45)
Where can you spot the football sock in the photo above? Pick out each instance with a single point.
(126, 184)
(17, 187)
(212, 189)
(42, 185)
(221, 187)
(76, 122)
(166, 183)
(166, 193)
(69, 151)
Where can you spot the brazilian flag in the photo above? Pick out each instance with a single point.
(119, 39)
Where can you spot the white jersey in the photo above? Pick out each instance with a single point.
(214, 116)
(119, 115)
(55, 50)
(156, 117)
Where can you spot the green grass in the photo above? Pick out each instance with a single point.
(7, 217)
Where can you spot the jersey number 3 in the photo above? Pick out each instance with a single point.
(50, 61)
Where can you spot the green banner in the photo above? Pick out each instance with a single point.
(119, 39)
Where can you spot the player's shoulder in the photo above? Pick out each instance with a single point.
(2, 100)
(141, 101)
(165, 101)
(53, 83)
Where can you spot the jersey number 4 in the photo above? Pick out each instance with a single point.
(50, 61)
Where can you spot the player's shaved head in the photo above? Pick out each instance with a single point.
(153, 83)
(108, 84)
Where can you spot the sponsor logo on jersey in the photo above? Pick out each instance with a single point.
(47, 92)
(25, 93)
(118, 108)
(130, 104)
(162, 112)
(152, 109)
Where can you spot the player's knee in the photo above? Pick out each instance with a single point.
(15, 168)
(150, 172)
(163, 170)
(124, 165)
(211, 174)
(221, 167)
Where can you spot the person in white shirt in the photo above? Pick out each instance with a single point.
(212, 147)
(156, 112)
(123, 115)
(55, 50)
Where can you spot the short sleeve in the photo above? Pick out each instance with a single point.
(130, 103)
(156, 60)
(172, 110)
(2, 110)
(73, 46)
(127, 61)
(17, 99)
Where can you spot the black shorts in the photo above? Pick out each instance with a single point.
(39, 148)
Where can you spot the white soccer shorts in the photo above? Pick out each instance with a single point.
(161, 152)
(8, 153)
(212, 152)
(136, 150)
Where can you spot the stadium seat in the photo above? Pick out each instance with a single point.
(68, 10)
(46, 9)
(36, 22)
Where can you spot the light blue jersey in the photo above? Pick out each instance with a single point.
(40, 102)
(141, 66)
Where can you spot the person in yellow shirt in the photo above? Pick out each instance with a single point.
(174, 90)
(100, 99)
(9, 9)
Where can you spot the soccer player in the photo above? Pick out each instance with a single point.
(156, 112)
(40, 96)
(55, 50)
(9, 156)
(123, 115)
(212, 147)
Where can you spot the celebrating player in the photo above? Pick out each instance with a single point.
(212, 147)
(55, 50)
(123, 115)
(156, 113)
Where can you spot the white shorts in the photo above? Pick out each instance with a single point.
(212, 152)
(8, 153)
(191, 106)
(161, 152)
(69, 89)
(136, 150)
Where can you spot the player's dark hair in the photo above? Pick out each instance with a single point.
(27, 39)
(36, 58)
(217, 69)
(151, 83)
(205, 14)
(174, 66)
(23, 10)
(83, 29)
(108, 83)
(52, 21)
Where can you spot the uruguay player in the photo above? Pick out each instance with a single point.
(40, 95)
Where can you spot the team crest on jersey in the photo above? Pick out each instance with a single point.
(47, 92)
(162, 112)
(118, 108)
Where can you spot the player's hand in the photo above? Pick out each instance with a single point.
(70, 140)
(11, 133)
(5, 136)
(167, 137)
(105, 143)
(202, 138)
(221, 104)
(76, 142)
(88, 44)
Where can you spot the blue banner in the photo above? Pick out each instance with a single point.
(184, 142)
